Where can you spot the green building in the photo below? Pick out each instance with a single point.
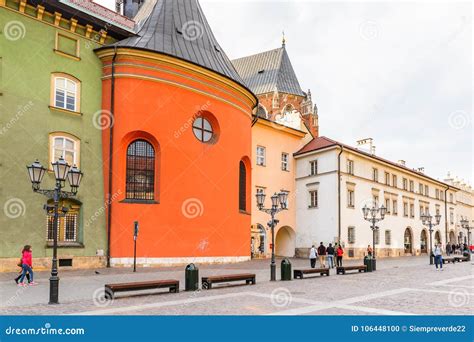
(50, 105)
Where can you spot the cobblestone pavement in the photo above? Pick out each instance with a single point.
(399, 286)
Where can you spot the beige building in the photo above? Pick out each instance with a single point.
(335, 181)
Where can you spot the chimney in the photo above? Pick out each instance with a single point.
(402, 162)
(421, 169)
(131, 7)
(366, 145)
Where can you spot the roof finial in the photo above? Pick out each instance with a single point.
(283, 40)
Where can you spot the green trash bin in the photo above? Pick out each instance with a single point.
(368, 263)
(285, 269)
(191, 278)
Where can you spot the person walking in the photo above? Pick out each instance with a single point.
(448, 249)
(438, 256)
(322, 255)
(330, 251)
(312, 256)
(339, 254)
(26, 265)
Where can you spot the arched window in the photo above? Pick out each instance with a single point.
(140, 181)
(242, 186)
(64, 145)
(65, 92)
(424, 242)
(262, 112)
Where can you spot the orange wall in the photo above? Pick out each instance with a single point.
(203, 175)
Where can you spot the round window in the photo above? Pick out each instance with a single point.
(202, 129)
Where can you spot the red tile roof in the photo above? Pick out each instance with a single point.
(324, 142)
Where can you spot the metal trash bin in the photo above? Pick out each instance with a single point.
(191, 278)
(285, 269)
(368, 263)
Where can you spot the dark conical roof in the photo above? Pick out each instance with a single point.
(268, 71)
(180, 29)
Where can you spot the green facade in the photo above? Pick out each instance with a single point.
(27, 61)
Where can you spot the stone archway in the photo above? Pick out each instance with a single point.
(408, 241)
(452, 237)
(424, 241)
(285, 242)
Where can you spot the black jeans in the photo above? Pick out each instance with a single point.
(313, 263)
(339, 261)
(19, 276)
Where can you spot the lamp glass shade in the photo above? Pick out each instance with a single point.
(383, 211)
(275, 198)
(36, 172)
(283, 197)
(464, 222)
(365, 210)
(60, 168)
(260, 199)
(74, 177)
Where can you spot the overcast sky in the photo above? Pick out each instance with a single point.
(398, 72)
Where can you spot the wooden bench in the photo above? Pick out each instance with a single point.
(461, 259)
(448, 260)
(208, 281)
(110, 289)
(343, 269)
(300, 273)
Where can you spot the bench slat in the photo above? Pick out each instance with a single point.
(208, 281)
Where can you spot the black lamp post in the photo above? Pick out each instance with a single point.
(62, 170)
(371, 215)
(465, 225)
(427, 220)
(278, 204)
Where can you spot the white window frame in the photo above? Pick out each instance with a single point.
(351, 235)
(395, 207)
(350, 166)
(66, 137)
(350, 198)
(375, 174)
(66, 93)
(285, 161)
(388, 237)
(313, 198)
(313, 167)
(261, 155)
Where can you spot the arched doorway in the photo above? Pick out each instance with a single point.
(452, 237)
(285, 242)
(437, 237)
(424, 242)
(408, 241)
(258, 241)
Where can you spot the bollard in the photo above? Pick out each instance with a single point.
(191, 278)
(285, 269)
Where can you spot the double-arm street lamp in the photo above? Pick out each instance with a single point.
(279, 203)
(62, 171)
(374, 215)
(427, 220)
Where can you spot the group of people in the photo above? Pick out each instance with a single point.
(329, 254)
(459, 248)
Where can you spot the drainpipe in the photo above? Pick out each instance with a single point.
(111, 142)
(446, 213)
(339, 194)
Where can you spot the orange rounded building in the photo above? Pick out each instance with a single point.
(176, 143)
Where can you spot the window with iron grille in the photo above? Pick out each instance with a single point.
(242, 187)
(140, 179)
(67, 226)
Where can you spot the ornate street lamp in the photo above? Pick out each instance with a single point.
(279, 203)
(374, 215)
(427, 220)
(465, 225)
(62, 171)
